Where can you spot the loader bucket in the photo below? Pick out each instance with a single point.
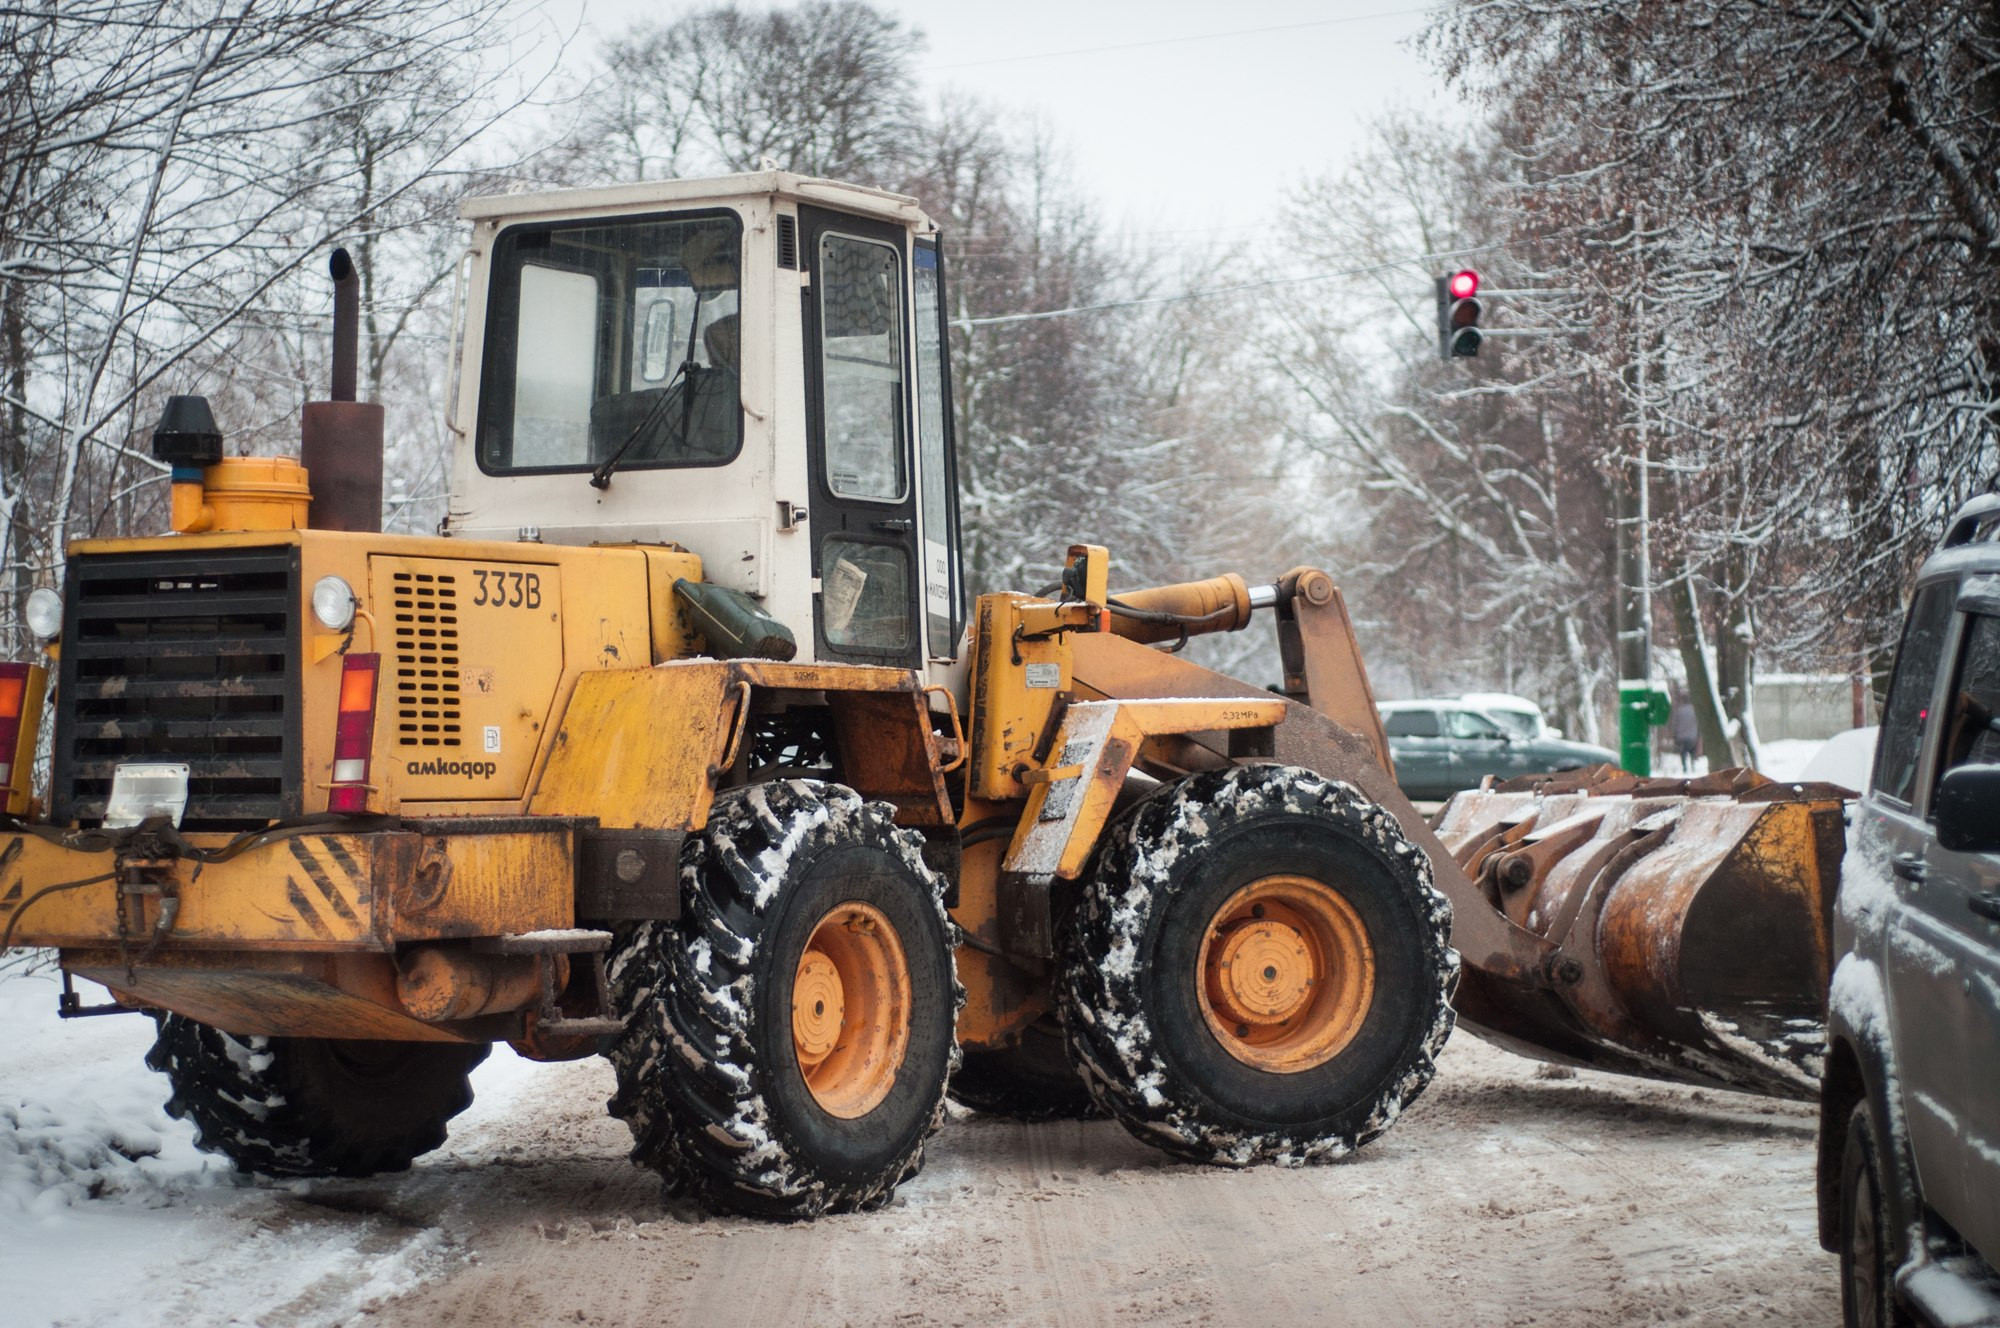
(1671, 928)
(1691, 920)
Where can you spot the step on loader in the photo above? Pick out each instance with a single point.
(679, 745)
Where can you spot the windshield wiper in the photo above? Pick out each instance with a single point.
(601, 477)
(685, 375)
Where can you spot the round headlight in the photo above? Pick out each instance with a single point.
(44, 613)
(333, 603)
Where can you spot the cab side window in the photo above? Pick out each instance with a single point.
(1910, 692)
(936, 472)
(862, 368)
(1411, 724)
(1465, 724)
(1974, 701)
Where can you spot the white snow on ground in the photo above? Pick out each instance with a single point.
(1844, 758)
(110, 1216)
(89, 1164)
(1506, 1195)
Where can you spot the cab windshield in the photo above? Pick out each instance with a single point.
(613, 338)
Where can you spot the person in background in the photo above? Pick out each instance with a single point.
(1687, 733)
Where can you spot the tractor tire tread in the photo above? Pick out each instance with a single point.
(690, 1086)
(294, 1107)
(1110, 1034)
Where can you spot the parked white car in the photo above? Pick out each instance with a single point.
(1520, 716)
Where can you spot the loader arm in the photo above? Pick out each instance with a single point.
(1109, 667)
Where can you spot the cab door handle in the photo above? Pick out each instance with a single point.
(1908, 866)
(1986, 905)
(894, 525)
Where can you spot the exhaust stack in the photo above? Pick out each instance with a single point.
(340, 441)
(346, 324)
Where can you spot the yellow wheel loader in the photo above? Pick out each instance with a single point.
(678, 745)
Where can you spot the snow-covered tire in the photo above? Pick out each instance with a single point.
(713, 1062)
(312, 1106)
(1870, 1252)
(1032, 1080)
(1139, 1007)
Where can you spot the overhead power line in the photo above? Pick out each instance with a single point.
(1206, 292)
(1174, 41)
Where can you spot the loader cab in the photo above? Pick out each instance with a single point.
(753, 368)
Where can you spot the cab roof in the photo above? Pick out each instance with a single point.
(1971, 541)
(654, 195)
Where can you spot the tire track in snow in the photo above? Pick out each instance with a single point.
(1500, 1199)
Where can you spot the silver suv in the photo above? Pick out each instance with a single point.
(1909, 1132)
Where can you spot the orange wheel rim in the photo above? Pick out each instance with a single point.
(851, 1010)
(1286, 974)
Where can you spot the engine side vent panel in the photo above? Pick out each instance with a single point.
(472, 664)
(427, 662)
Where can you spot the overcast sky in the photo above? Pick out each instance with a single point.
(1186, 121)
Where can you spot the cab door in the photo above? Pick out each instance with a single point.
(866, 571)
(1959, 890)
(1920, 975)
(937, 457)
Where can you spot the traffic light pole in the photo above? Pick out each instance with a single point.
(1641, 706)
(1489, 332)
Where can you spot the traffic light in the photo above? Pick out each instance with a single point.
(1458, 314)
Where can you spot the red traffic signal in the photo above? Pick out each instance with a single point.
(1458, 314)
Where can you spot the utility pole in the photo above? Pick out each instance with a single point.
(1641, 706)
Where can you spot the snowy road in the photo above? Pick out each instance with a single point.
(1501, 1198)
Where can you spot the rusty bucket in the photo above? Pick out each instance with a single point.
(1691, 921)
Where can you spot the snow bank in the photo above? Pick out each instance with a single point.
(1846, 759)
(81, 1118)
(94, 1176)
(110, 1217)
(1786, 759)
(51, 1159)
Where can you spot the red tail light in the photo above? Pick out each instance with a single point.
(354, 734)
(13, 690)
(20, 704)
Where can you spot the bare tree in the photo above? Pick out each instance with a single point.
(166, 171)
(1800, 206)
(1468, 504)
(825, 88)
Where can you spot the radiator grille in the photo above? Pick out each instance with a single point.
(426, 607)
(173, 657)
